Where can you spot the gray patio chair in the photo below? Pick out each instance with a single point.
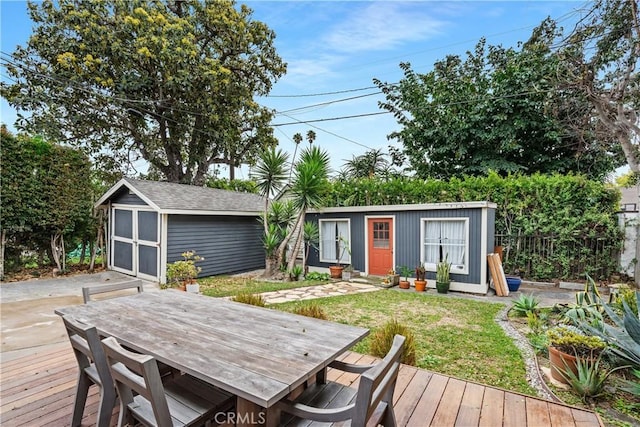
(88, 291)
(185, 401)
(93, 370)
(370, 404)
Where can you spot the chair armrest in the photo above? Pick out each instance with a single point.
(316, 414)
(350, 367)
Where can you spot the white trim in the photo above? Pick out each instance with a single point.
(164, 231)
(134, 241)
(432, 267)
(484, 226)
(366, 239)
(212, 213)
(320, 221)
(110, 192)
(413, 207)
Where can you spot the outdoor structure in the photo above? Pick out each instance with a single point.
(152, 223)
(376, 239)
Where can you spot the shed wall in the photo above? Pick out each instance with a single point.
(123, 197)
(228, 244)
(407, 237)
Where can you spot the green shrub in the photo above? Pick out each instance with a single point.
(185, 270)
(316, 276)
(382, 339)
(295, 273)
(251, 299)
(572, 341)
(311, 310)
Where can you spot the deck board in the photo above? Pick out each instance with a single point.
(38, 390)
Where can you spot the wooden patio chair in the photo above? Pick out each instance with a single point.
(370, 404)
(93, 370)
(88, 291)
(185, 401)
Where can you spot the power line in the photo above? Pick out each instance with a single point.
(328, 119)
(322, 93)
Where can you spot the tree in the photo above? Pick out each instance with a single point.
(46, 196)
(307, 192)
(270, 173)
(368, 165)
(169, 82)
(603, 55)
(495, 110)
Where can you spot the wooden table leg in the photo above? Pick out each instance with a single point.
(250, 414)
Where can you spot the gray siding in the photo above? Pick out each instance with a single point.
(228, 244)
(407, 237)
(123, 197)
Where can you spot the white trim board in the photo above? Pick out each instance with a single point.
(413, 207)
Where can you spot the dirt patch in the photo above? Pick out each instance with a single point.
(48, 273)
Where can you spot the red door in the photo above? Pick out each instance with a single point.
(380, 231)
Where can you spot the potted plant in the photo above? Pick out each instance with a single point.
(568, 343)
(183, 274)
(393, 277)
(336, 270)
(421, 281)
(347, 272)
(404, 272)
(443, 268)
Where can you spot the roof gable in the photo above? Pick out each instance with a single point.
(169, 197)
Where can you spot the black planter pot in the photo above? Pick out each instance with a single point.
(442, 287)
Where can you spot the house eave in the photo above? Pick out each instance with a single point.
(207, 212)
(408, 207)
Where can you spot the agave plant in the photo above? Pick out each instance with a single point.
(525, 305)
(590, 379)
(623, 334)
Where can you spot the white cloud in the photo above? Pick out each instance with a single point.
(382, 26)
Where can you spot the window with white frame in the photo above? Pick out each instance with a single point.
(446, 238)
(334, 241)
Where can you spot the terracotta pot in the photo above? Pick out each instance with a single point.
(556, 358)
(404, 284)
(336, 271)
(420, 285)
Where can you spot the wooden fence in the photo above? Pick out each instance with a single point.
(549, 257)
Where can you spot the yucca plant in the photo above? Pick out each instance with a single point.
(251, 299)
(382, 339)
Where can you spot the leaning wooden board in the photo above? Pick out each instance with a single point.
(497, 274)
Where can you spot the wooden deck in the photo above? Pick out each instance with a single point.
(38, 390)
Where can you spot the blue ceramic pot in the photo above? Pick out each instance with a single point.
(513, 283)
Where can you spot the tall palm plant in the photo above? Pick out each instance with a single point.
(270, 174)
(307, 188)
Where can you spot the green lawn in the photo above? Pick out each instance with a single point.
(224, 286)
(457, 337)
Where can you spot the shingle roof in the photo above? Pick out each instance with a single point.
(168, 196)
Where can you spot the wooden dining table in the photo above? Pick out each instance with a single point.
(260, 355)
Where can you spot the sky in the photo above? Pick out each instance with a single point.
(334, 50)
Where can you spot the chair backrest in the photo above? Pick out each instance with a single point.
(377, 384)
(138, 373)
(111, 287)
(87, 348)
